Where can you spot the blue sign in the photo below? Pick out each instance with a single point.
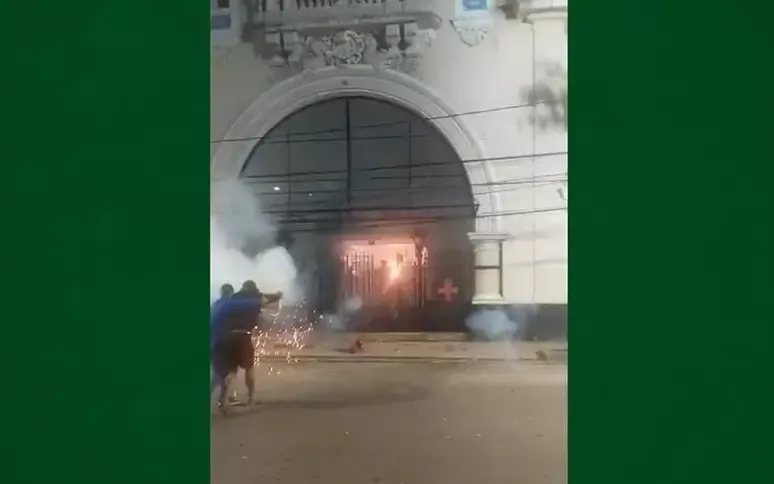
(474, 5)
(220, 21)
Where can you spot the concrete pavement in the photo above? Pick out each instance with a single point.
(396, 423)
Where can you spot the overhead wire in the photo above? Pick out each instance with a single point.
(280, 178)
(377, 125)
(462, 176)
(414, 165)
(318, 197)
(335, 224)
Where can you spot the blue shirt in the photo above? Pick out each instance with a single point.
(216, 305)
(228, 314)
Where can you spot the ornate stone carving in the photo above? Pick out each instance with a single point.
(426, 37)
(472, 31)
(396, 46)
(472, 20)
(309, 35)
(342, 48)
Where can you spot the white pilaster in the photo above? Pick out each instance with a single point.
(488, 268)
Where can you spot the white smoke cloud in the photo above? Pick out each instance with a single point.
(499, 324)
(237, 223)
(341, 320)
(276, 271)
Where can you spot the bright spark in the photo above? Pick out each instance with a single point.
(285, 334)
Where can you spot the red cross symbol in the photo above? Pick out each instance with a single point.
(448, 290)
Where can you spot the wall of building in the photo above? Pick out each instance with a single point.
(490, 75)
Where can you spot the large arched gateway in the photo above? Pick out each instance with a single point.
(374, 203)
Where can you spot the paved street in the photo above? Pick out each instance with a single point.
(393, 423)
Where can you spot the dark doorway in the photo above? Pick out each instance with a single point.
(378, 207)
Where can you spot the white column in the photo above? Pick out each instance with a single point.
(488, 268)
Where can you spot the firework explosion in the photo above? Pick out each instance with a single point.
(285, 333)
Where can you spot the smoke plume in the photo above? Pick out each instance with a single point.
(343, 317)
(243, 244)
(505, 324)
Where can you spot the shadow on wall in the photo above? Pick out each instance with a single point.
(549, 94)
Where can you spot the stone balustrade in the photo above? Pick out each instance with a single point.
(542, 6)
(275, 13)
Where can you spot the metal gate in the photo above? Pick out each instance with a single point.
(430, 294)
(402, 283)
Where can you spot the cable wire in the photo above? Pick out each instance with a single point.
(414, 165)
(335, 225)
(379, 125)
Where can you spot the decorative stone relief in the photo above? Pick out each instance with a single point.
(307, 35)
(396, 46)
(343, 48)
(472, 32)
(473, 21)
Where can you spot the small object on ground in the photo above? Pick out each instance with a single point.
(356, 346)
(541, 355)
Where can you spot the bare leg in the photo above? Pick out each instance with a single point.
(224, 385)
(250, 383)
(233, 397)
(215, 380)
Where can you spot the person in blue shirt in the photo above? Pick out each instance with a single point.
(226, 291)
(233, 322)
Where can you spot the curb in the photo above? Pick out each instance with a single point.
(403, 359)
(425, 337)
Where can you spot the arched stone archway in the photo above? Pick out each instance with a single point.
(306, 89)
(378, 208)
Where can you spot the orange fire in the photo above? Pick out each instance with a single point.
(395, 271)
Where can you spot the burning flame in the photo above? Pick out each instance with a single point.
(395, 271)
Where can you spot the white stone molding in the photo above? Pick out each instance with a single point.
(531, 11)
(291, 95)
(488, 268)
(530, 7)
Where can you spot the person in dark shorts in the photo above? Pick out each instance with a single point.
(233, 325)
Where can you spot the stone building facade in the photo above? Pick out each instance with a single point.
(490, 78)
